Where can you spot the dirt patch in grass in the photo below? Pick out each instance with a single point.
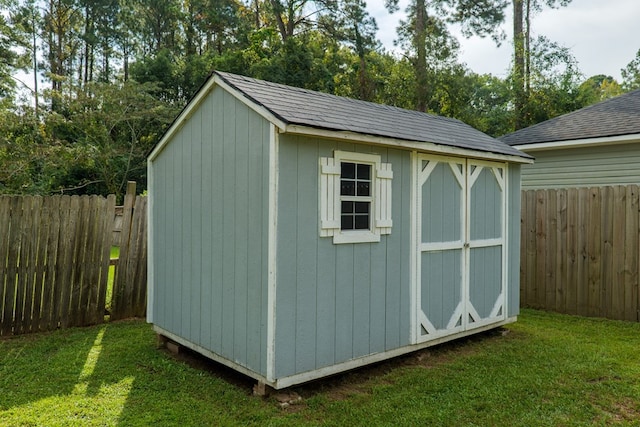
(624, 411)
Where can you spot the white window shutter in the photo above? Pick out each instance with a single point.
(329, 196)
(384, 176)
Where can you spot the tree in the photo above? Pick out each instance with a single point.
(523, 11)
(631, 74)
(292, 15)
(215, 26)
(13, 44)
(28, 22)
(425, 33)
(95, 147)
(356, 28)
(554, 81)
(598, 88)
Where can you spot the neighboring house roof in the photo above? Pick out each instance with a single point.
(324, 111)
(610, 118)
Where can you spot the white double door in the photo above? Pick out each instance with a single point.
(459, 231)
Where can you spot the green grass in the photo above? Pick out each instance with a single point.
(547, 370)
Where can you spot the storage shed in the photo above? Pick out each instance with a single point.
(595, 146)
(295, 234)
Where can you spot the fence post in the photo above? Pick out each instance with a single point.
(120, 284)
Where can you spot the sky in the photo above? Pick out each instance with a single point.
(603, 35)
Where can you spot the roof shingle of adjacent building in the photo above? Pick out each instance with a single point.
(613, 117)
(295, 106)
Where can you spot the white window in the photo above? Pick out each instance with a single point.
(355, 197)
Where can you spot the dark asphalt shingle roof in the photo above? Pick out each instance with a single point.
(612, 117)
(297, 106)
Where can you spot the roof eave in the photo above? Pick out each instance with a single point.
(426, 147)
(579, 143)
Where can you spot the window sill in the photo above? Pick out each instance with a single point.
(355, 237)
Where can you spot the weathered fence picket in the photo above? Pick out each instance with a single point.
(580, 251)
(54, 261)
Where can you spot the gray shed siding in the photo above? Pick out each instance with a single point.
(583, 167)
(210, 221)
(335, 303)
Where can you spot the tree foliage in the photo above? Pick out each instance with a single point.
(523, 54)
(631, 74)
(426, 39)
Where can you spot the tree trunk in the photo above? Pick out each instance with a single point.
(527, 51)
(35, 67)
(420, 44)
(518, 63)
(277, 11)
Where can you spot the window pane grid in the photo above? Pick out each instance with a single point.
(355, 192)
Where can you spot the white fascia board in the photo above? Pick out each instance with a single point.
(215, 80)
(578, 143)
(422, 147)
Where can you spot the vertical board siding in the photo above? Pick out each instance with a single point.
(55, 257)
(336, 302)
(581, 251)
(210, 242)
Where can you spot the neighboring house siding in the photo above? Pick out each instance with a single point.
(210, 221)
(513, 240)
(334, 302)
(583, 167)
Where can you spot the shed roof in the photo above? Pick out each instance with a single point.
(612, 117)
(296, 106)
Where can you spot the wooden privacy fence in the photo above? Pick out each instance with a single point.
(580, 251)
(55, 260)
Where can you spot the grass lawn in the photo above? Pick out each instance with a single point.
(546, 369)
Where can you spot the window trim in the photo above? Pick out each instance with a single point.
(331, 199)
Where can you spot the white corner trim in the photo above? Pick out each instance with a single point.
(414, 253)
(150, 241)
(506, 222)
(272, 248)
(577, 143)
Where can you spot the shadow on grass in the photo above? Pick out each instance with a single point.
(36, 367)
(158, 388)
